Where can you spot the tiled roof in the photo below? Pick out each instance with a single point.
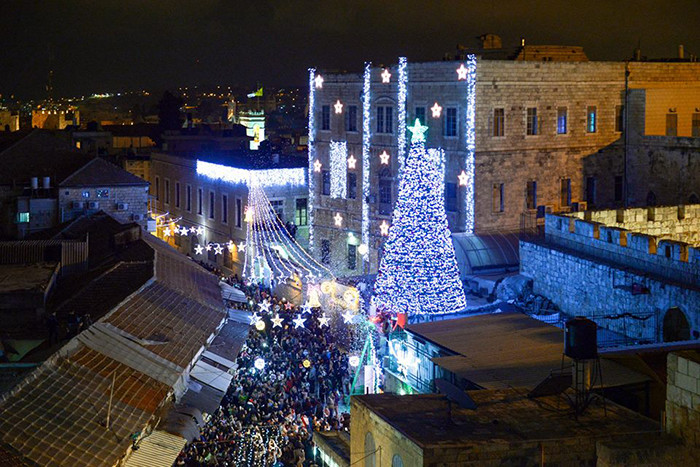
(56, 416)
(99, 172)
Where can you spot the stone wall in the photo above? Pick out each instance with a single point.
(136, 198)
(683, 398)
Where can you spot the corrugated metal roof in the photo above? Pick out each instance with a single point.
(157, 449)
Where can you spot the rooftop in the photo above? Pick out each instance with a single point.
(99, 172)
(26, 277)
(505, 415)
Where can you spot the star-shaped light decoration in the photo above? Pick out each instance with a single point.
(193, 230)
(299, 322)
(384, 158)
(338, 219)
(254, 318)
(351, 162)
(318, 80)
(417, 132)
(264, 306)
(218, 250)
(323, 320)
(463, 178)
(306, 308)
(348, 317)
(200, 230)
(384, 228)
(208, 247)
(436, 110)
(386, 76)
(198, 249)
(166, 232)
(277, 321)
(317, 166)
(338, 106)
(288, 306)
(241, 246)
(184, 231)
(462, 72)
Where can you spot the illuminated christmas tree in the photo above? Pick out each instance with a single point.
(418, 273)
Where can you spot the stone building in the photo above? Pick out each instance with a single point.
(539, 136)
(208, 201)
(9, 120)
(633, 271)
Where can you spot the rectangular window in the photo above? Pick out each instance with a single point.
(565, 192)
(352, 185)
(450, 196)
(157, 188)
(224, 209)
(561, 120)
(177, 194)
(239, 213)
(301, 213)
(278, 208)
(499, 122)
(22, 217)
(351, 118)
(531, 196)
(200, 201)
(619, 116)
(325, 117)
(672, 124)
(326, 185)
(188, 198)
(385, 192)
(696, 125)
(591, 119)
(498, 195)
(166, 194)
(352, 257)
(420, 114)
(450, 123)
(385, 119)
(618, 188)
(590, 190)
(211, 205)
(532, 121)
(326, 251)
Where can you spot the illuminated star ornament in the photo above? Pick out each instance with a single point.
(264, 306)
(436, 110)
(193, 230)
(299, 322)
(323, 320)
(348, 317)
(277, 321)
(166, 232)
(208, 247)
(338, 107)
(386, 76)
(198, 249)
(417, 132)
(288, 306)
(338, 219)
(351, 162)
(318, 81)
(241, 246)
(218, 250)
(463, 178)
(200, 230)
(385, 158)
(384, 228)
(184, 231)
(462, 72)
(317, 166)
(254, 318)
(306, 308)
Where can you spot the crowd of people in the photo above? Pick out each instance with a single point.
(270, 413)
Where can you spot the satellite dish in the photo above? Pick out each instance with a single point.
(454, 394)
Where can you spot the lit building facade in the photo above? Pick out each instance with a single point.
(521, 138)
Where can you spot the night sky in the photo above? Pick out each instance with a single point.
(116, 45)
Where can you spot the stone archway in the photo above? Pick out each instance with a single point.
(676, 326)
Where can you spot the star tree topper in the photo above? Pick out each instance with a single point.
(417, 132)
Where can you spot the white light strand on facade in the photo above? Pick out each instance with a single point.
(403, 94)
(366, 102)
(469, 164)
(265, 178)
(339, 169)
(313, 84)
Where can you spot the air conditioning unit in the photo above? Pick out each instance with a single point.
(93, 205)
(78, 205)
(137, 217)
(122, 206)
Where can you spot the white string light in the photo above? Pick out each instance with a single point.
(469, 164)
(265, 178)
(403, 93)
(339, 171)
(315, 82)
(366, 103)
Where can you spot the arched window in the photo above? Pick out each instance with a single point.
(676, 327)
(651, 199)
(396, 461)
(370, 451)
